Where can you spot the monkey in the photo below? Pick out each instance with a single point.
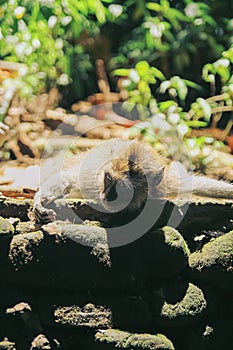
(122, 174)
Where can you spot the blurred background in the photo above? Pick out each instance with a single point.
(168, 62)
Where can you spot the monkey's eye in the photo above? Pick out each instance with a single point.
(132, 174)
(107, 179)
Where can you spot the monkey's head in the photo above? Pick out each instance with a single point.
(127, 180)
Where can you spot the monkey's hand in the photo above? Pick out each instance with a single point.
(43, 215)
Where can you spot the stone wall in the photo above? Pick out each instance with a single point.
(63, 287)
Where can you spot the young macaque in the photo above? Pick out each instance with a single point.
(121, 175)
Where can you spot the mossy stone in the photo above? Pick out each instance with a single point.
(91, 316)
(6, 229)
(213, 334)
(23, 246)
(214, 262)
(177, 304)
(7, 345)
(167, 253)
(126, 340)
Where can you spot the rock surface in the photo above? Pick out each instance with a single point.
(64, 285)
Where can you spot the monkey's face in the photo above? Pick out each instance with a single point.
(124, 185)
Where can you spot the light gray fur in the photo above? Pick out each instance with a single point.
(86, 171)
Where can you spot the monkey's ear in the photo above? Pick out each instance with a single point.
(156, 177)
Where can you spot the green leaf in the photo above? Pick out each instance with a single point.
(142, 68)
(196, 123)
(192, 84)
(163, 106)
(153, 6)
(157, 73)
(123, 72)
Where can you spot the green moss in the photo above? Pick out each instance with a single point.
(22, 247)
(149, 342)
(177, 304)
(7, 345)
(193, 303)
(91, 316)
(218, 253)
(85, 234)
(125, 340)
(110, 336)
(174, 239)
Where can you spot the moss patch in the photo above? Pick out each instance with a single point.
(177, 304)
(6, 229)
(126, 340)
(214, 263)
(22, 247)
(92, 316)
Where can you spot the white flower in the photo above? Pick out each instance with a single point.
(63, 79)
(156, 31)
(28, 50)
(116, 10)
(192, 10)
(125, 83)
(19, 12)
(20, 49)
(52, 21)
(206, 151)
(36, 43)
(223, 62)
(23, 71)
(182, 130)
(133, 75)
(194, 152)
(173, 118)
(10, 39)
(66, 20)
(159, 122)
(198, 21)
(59, 44)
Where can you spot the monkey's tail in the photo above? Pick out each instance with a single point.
(207, 187)
(186, 183)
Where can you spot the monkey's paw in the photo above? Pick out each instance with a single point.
(43, 215)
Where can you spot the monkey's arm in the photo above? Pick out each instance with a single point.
(56, 186)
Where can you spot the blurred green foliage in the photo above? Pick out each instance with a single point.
(173, 56)
(60, 40)
(168, 121)
(46, 35)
